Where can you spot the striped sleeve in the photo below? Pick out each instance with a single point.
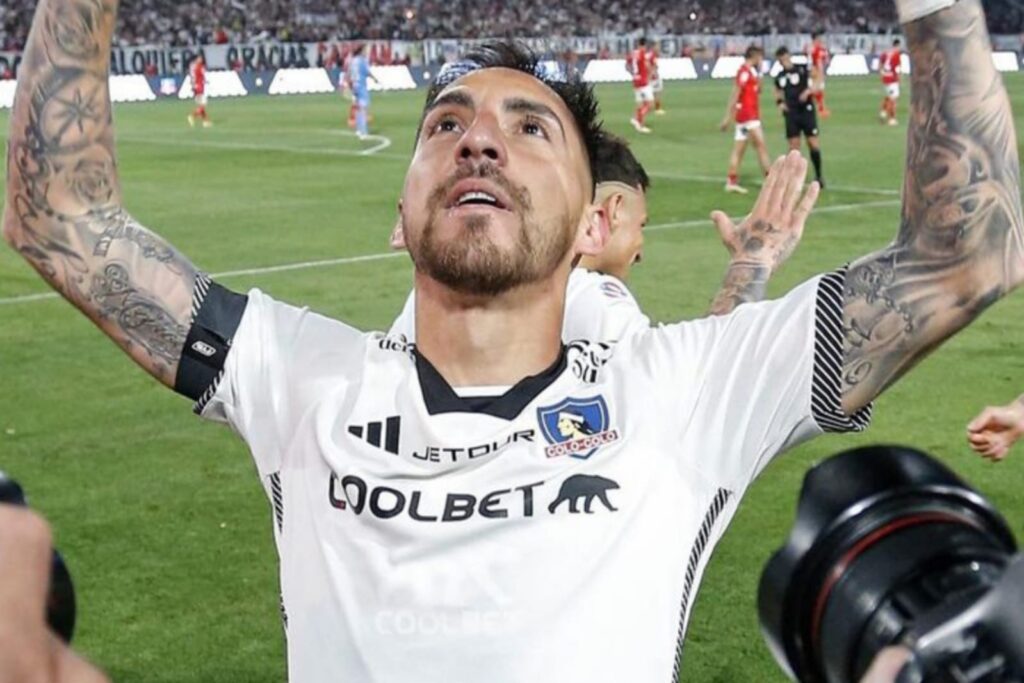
(826, 396)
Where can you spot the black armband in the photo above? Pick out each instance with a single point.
(779, 101)
(216, 314)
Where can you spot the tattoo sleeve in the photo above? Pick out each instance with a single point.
(960, 245)
(63, 211)
(744, 282)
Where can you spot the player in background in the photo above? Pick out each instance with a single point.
(638, 63)
(889, 66)
(744, 109)
(657, 85)
(996, 429)
(795, 99)
(197, 72)
(818, 56)
(345, 87)
(359, 77)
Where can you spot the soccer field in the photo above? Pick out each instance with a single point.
(161, 517)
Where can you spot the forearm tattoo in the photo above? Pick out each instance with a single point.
(744, 282)
(63, 211)
(960, 245)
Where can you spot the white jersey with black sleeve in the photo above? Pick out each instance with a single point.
(598, 307)
(557, 532)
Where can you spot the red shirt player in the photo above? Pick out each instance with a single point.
(639, 64)
(745, 109)
(197, 72)
(818, 56)
(889, 66)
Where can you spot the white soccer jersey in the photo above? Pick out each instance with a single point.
(598, 307)
(556, 533)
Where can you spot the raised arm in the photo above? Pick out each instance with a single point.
(960, 245)
(63, 211)
(765, 239)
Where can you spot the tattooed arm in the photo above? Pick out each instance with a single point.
(766, 238)
(960, 245)
(63, 211)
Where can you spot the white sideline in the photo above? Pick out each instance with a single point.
(305, 265)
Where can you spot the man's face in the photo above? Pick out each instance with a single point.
(786, 61)
(627, 213)
(496, 193)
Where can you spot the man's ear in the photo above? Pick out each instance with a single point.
(595, 230)
(398, 234)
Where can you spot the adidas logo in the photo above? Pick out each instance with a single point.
(372, 433)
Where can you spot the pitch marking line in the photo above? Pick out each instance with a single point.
(306, 265)
(831, 188)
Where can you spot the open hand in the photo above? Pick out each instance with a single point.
(771, 232)
(996, 429)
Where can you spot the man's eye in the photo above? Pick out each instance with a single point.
(446, 125)
(532, 127)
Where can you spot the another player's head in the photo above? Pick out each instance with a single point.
(499, 193)
(784, 57)
(642, 41)
(897, 43)
(621, 190)
(754, 55)
(358, 49)
(816, 36)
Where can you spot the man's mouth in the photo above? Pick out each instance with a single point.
(473, 192)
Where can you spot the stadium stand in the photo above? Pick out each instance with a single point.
(192, 22)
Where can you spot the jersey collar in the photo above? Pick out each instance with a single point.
(439, 397)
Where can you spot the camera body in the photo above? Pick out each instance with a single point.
(890, 547)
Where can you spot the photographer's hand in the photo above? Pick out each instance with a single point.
(996, 429)
(29, 651)
(887, 665)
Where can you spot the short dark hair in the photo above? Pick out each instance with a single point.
(817, 33)
(642, 40)
(781, 52)
(896, 43)
(753, 50)
(614, 162)
(577, 95)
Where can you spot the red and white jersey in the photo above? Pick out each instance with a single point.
(198, 73)
(748, 105)
(889, 66)
(639, 64)
(818, 54)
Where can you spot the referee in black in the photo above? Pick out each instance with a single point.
(794, 95)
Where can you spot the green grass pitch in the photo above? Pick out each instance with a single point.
(161, 517)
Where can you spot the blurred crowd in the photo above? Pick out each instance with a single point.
(190, 22)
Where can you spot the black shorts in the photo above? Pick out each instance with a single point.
(803, 121)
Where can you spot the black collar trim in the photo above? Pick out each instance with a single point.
(439, 396)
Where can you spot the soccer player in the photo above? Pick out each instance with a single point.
(359, 77)
(889, 65)
(744, 109)
(993, 433)
(818, 56)
(795, 98)
(432, 521)
(197, 71)
(639, 64)
(657, 85)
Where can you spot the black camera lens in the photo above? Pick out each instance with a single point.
(883, 534)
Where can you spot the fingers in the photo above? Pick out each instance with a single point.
(768, 200)
(724, 225)
(796, 176)
(887, 665)
(803, 210)
(979, 423)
